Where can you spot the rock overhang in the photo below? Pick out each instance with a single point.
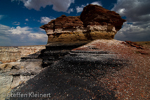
(95, 22)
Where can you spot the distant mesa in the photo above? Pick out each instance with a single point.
(95, 22)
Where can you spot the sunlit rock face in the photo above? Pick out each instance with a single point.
(68, 32)
(97, 15)
(95, 22)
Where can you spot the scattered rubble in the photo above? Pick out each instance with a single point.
(133, 44)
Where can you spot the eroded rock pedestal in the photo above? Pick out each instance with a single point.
(95, 22)
(65, 33)
(100, 70)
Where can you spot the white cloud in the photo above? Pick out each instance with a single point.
(134, 10)
(16, 23)
(58, 5)
(45, 20)
(137, 14)
(121, 11)
(11, 36)
(70, 10)
(19, 30)
(3, 27)
(80, 8)
(133, 32)
(37, 37)
(97, 3)
(27, 19)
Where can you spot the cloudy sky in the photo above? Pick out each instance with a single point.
(20, 19)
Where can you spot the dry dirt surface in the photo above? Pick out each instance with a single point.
(131, 82)
(100, 70)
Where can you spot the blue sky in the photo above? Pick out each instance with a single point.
(20, 19)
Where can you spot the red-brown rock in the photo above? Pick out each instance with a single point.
(91, 15)
(143, 52)
(64, 22)
(97, 15)
(95, 22)
(133, 44)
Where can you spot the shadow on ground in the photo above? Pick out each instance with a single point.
(70, 80)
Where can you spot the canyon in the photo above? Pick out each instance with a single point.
(13, 54)
(81, 60)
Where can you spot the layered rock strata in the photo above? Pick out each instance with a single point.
(97, 15)
(65, 33)
(15, 73)
(95, 22)
(13, 54)
(77, 73)
(55, 52)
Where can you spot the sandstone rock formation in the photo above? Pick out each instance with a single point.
(15, 73)
(97, 15)
(95, 22)
(13, 54)
(65, 33)
(101, 69)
